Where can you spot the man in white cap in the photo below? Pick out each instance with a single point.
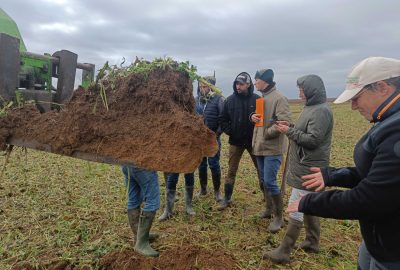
(373, 196)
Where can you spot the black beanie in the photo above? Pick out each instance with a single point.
(267, 75)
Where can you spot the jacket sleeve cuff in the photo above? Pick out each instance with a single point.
(290, 132)
(302, 205)
(325, 175)
(251, 116)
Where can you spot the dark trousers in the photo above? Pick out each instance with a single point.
(235, 155)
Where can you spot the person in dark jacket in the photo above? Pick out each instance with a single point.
(209, 104)
(374, 183)
(310, 145)
(236, 124)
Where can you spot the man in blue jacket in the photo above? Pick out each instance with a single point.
(209, 104)
(373, 197)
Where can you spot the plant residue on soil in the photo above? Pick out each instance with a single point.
(149, 120)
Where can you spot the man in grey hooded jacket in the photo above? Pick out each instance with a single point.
(310, 144)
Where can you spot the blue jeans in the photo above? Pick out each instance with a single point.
(213, 162)
(269, 166)
(142, 187)
(367, 262)
(172, 180)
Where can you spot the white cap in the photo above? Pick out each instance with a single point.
(369, 70)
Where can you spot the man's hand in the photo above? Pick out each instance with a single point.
(256, 118)
(294, 206)
(282, 128)
(314, 180)
(282, 122)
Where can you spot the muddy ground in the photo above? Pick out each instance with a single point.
(182, 258)
(150, 121)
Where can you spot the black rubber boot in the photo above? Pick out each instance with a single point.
(269, 207)
(142, 245)
(313, 230)
(166, 185)
(169, 205)
(133, 219)
(216, 178)
(188, 201)
(277, 221)
(282, 253)
(226, 202)
(203, 182)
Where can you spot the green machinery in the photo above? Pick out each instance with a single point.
(29, 76)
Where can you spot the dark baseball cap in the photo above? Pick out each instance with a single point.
(243, 78)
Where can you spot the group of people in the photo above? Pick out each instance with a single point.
(373, 88)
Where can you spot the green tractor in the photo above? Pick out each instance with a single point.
(29, 76)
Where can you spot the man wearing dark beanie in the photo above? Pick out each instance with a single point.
(267, 75)
(269, 144)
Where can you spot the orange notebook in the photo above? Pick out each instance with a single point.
(260, 110)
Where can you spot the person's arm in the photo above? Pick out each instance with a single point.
(325, 177)
(346, 177)
(317, 128)
(220, 107)
(375, 196)
(282, 113)
(225, 120)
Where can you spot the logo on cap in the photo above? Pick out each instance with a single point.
(243, 78)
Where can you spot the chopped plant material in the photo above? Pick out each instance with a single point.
(143, 114)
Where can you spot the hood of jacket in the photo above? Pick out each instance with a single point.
(250, 89)
(314, 89)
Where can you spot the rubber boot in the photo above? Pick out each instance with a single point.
(269, 209)
(169, 205)
(188, 201)
(133, 219)
(282, 253)
(203, 182)
(142, 245)
(166, 185)
(216, 178)
(311, 243)
(226, 202)
(277, 221)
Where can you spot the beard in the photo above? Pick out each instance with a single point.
(243, 93)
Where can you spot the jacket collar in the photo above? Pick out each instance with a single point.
(387, 108)
(268, 90)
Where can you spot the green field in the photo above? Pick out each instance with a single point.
(58, 208)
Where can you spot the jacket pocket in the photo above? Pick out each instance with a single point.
(301, 154)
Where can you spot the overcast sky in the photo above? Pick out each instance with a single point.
(294, 38)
